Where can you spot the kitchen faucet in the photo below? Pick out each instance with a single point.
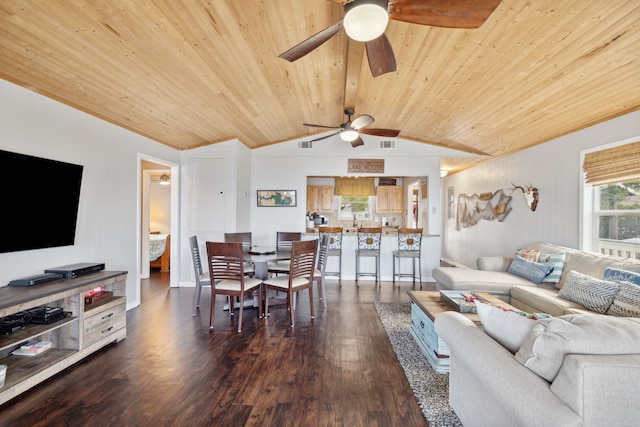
(354, 221)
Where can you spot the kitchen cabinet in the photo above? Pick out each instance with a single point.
(389, 199)
(319, 198)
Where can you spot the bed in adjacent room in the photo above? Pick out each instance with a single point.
(159, 251)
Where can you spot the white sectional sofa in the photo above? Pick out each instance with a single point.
(492, 276)
(595, 378)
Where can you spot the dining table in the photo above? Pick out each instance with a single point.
(261, 256)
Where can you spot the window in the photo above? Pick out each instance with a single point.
(360, 206)
(612, 203)
(618, 219)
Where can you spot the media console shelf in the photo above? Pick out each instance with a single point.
(88, 328)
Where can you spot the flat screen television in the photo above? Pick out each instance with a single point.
(40, 200)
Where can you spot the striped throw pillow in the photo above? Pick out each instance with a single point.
(556, 261)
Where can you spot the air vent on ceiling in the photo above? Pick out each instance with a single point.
(388, 144)
(305, 145)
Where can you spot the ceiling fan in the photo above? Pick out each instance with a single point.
(350, 130)
(366, 21)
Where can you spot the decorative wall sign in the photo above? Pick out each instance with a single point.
(277, 198)
(366, 166)
(487, 206)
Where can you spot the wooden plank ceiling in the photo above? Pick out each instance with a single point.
(198, 72)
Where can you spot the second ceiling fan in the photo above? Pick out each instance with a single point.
(350, 130)
(366, 21)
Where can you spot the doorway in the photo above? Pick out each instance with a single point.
(158, 248)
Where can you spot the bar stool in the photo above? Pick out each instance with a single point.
(368, 246)
(335, 247)
(409, 246)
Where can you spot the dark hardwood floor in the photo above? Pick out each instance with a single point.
(338, 369)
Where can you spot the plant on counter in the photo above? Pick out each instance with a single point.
(311, 216)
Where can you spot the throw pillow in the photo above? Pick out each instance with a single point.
(508, 327)
(549, 340)
(616, 275)
(530, 254)
(595, 294)
(556, 261)
(530, 270)
(627, 301)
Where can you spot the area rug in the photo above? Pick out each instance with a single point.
(430, 388)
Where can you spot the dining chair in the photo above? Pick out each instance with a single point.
(300, 275)
(335, 247)
(369, 239)
(227, 276)
(409, 246)
(202, 278)
(284, 241)
(246, 240)
(321, 265)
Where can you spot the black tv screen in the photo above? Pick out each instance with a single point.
(40, 200)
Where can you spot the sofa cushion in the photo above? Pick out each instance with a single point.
(508, 327)
(543, 298)
(530, 270)
(617, 275)
(595, 294)
(530, 254)
(588, 263)
(468, 279)
(549, 340)
(627, 301)
(555, 260)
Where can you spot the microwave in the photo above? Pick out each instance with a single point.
(321, 220)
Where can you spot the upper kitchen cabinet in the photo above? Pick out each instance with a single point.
(319, 198)
(389, 199)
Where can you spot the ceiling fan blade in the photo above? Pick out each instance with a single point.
(311, 125)
(443, 13)
(380, 56)
(381, 132)
(324, 137)
(361, 121)
(301, 49)
(357, 142)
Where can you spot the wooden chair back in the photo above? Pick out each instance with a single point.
(284, 239)
(225, 261)
(242, 237)
(303, 259)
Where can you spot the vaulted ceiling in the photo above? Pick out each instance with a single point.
(198, 72)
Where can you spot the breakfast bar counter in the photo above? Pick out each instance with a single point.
(430, 256)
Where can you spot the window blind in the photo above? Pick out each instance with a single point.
(617, 164)
(355, 187)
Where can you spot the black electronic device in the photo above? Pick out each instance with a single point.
(76, 270)
(14, 322)
(36, 279)
(46, 315)
(40, 202)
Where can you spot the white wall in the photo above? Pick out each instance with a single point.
(555, 169)
(285, 167)
(33, 124)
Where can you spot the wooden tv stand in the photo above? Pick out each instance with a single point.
(88, 328)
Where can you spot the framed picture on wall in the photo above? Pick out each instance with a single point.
(277, 198)
(450, 197)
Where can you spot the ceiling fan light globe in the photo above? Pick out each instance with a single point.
(349, 135)
(365, 21)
